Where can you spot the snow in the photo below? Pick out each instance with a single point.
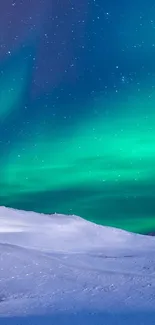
(60, 270)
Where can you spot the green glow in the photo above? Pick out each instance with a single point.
(12, 87)
(110, 149)
(113, 157)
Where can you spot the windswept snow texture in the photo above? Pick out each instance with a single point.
(57, 269)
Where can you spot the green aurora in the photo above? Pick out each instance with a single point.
(77, 110)
(101, 168)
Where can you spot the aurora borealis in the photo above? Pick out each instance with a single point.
(77, 109)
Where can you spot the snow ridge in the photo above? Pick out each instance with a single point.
(58, 269)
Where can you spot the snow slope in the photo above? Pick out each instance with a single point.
(61, 270)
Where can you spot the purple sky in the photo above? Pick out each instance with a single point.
(53, 28)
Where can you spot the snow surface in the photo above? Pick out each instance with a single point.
(62, 270)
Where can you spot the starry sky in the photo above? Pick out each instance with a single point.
(77, 109)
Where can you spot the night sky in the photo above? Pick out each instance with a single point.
(77, 109)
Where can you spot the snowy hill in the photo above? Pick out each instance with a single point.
(61, 270)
